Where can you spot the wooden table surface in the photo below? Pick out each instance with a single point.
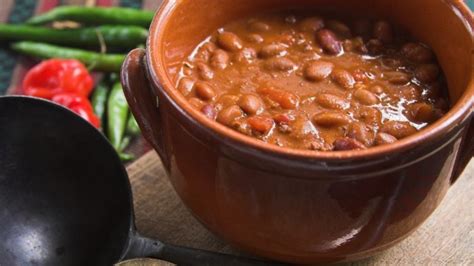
(446, 238)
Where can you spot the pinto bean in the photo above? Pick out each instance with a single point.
(384, 139)
(210, 111)
(259, 26)
(204, 91)
(229, 114)
(318, 70)
(229, 41)
(370, 116)
(271, 50)
(421, 112)
(417, 53)
(279, 64)
(246, 55)
(185, 86)
(331, 119)
(311, 24)
(398, 129)
(348, 144)
(205, 51)
(427, 73)
(204, 71)
(196, 103)
(251, 104)
(285, 99)
(329, 42)
(362, 133)
(343, 78)
(366, 97)
(377, 89)
(283, 118)
(219, 59)
(226, 100)
(383, 32)
(331, 101)
(261, 124)
(339, 28)
(397, 77)
(375, 46)
(255, 38)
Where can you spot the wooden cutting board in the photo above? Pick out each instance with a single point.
(447, 237)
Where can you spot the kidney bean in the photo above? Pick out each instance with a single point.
(331, 119)
(279, 64)
(366, 97)
(329, 42)
(417, 53)
(427, 73)
(318, 70)
(209, 111)
(229, 41)
(348, 144)
(227, 115)
(245, 56)
(271, 50)
(285, 99)
(362, 27)
(196, 103)
(219, 59)
(421, 112)
(383, 32)
(204, 71)
(339, 28)
(261, 124)
(398, 129)
(384, 139)
(397, 77)
(375, 46)
(259, 26)
(185, 86)
(311, 24)
(251, 104)
(331, 101)
(360, 75)
(343, 78)
(362, 133)
(204, 91)
(255, 38)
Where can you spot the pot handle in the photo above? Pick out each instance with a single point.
(142, 99)
(466, 152)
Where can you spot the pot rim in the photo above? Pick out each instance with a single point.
(459, 113)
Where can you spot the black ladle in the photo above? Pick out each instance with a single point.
(65, 196)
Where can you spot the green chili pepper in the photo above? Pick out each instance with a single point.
(125, 157)
(125, 142)
(99, 100)
(96, 61)
(113, 36)
(132, 126)
(96, 16)
(117, 115)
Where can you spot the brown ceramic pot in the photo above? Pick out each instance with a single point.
(294, 205)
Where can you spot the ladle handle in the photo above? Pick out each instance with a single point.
(142, 247)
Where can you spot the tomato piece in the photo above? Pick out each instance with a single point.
(56, 76)
(79, 105)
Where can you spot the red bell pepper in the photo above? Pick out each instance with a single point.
(78, 104)
(55, 76)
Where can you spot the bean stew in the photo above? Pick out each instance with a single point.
(317, 83)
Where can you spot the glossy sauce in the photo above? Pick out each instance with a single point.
(309, 82)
